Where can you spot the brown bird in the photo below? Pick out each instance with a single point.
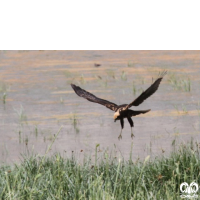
(122, 111)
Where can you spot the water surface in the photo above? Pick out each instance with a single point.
(36, 99)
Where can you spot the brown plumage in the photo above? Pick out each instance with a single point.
(122, 111)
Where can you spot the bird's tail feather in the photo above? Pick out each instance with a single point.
(138, 112)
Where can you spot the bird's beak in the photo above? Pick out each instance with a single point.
(115, 120)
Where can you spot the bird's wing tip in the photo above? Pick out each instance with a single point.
(162, 74)
(73, 86)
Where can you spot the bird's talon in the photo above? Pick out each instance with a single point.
(132, 135)
(120, 137)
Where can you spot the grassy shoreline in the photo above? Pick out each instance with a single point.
(56, 177)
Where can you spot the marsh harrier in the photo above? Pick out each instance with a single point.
(122, 111)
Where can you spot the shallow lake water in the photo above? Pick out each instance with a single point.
(36, 99)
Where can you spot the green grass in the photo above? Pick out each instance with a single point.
(181, 83)
(74, 121)
(4, 88)
(101, 177)
(110, 73)
(136, 90)
(130, 64)
(22, 121)
(123, 76)
(183, 111)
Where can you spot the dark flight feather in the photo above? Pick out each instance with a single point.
(146, 94)
(90, 97)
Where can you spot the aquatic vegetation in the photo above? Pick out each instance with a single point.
(110, 73)
(82, 79)
(4, 88)
(36, 130)
(74, 121)
(61, 100)
(130, 64)
(134, 89)
(4, 97)
(22, 120)
(102, 81)
(68, 74)
(183, 109)
(198, 108)
(181, 83)
(21, 115)
(124, 76)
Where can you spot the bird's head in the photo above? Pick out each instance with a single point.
(116, 116)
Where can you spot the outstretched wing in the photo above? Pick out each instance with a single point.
(90, 97)
(148, 92)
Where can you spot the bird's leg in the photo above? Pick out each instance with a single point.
(120, 135)
(122, 125)
(132, 133)
(131, 124)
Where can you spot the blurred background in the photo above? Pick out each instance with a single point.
(36, 99)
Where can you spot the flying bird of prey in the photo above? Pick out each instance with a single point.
(122, 111)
